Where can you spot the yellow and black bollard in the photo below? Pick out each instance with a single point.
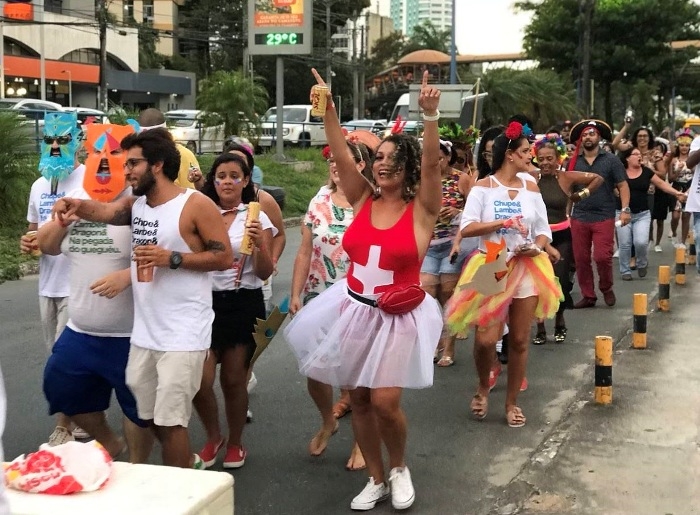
(663, 302)
(692, 258)
(639, 324)
(680, 266)
(603, 369)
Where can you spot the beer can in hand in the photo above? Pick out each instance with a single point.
(248, 244)
(319, 100)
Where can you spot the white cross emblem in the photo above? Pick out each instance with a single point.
(370, 275)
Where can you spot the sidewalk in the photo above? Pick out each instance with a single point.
(640, 455)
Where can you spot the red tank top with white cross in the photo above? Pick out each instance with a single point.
(381, 258)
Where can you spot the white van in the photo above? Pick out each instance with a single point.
(299, 127)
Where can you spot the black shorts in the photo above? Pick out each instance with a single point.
(235, 314)
(661, 205)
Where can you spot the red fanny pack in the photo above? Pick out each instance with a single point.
(397, 300)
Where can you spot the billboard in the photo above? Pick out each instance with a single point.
(280, 27)
(18, 10)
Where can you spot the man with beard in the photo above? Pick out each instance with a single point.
(178, 235)
(89, 358)
(61, 173)
(593, 218)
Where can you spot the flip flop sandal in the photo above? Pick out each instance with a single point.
(560, 334)
(479, 406)
(446, 361)
(540, 338)
(354, 454)
(515, 417)
(436, 356)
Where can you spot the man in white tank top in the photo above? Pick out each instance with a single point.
(178, 236)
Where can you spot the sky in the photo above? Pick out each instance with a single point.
(483, 26)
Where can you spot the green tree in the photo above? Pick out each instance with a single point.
(16, 177)
(232, 99)
(543, 95)
(630, 40)
(427, 36)
(386, 52)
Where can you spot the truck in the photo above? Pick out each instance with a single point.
(457, 104)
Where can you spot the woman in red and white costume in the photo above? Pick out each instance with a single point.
(345, 341)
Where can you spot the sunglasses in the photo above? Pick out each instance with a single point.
(61, 140)
(133, 161)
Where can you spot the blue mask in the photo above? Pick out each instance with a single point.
(58, 147)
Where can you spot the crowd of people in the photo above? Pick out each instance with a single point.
(146, 284)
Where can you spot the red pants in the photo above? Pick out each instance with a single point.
(599, 235)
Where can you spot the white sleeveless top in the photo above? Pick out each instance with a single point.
(173, 312)
(486, 204)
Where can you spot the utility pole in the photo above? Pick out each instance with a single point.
(587, 12)
(102, 21)
(355, 89)
(329, 51)
(364, 34)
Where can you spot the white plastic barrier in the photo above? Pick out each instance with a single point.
(139, 489)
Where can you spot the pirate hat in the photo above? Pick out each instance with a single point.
(599, 125)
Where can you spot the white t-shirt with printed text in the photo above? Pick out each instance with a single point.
(692, 205)
(54, 271)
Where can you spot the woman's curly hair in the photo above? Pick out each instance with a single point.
(407, 156)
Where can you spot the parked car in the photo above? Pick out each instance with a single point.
(299, 127)
(33, 111)
(375, 126)
(87, 114)
(189, 129)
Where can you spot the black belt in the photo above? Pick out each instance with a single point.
(364, 300)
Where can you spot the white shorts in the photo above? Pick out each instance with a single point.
(54, 317)
(164, 383)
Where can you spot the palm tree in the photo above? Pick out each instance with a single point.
(234, 100)
(543, 95)
(427, 36)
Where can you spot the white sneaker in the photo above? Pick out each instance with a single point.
(616, 254)
(252, 382)
(60, 436)
(370, 495)
(402, 492)
(658, 248)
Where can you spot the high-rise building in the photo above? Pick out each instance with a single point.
(409, 13)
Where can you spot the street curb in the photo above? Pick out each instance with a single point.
(512, 497)
(292, 222)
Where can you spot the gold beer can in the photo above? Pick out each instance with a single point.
(319, 100)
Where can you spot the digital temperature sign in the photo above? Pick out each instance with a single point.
(280, 27)
(280, 38)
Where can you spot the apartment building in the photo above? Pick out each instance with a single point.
(409, 13)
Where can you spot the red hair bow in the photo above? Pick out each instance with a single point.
(399, 125)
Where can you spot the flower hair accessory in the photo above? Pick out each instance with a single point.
(686, 133)
(554, 139)
(513, 131)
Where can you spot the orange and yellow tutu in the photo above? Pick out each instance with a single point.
(467, 307)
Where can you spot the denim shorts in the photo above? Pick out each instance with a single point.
(437, 260)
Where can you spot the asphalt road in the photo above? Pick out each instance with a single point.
(459, 465)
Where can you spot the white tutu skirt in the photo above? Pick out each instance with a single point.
(343, 342)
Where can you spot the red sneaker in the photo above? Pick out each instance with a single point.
(209, 452)
(235, 457)
(523, 385)
(493, 375)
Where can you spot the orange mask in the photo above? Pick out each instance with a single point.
(104, 166)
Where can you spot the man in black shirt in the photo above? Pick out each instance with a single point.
(593, 219)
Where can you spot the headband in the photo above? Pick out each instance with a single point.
(159, 126)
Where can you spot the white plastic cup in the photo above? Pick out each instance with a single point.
(618, 223)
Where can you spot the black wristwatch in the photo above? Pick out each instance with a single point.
(175, 260)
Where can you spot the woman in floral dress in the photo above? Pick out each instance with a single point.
(320, 262)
